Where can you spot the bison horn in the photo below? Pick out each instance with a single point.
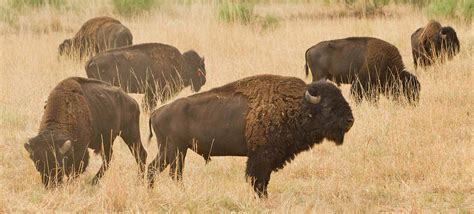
(28, 148)
(312, 99)
(65, 147)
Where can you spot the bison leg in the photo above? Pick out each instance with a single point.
(106, 157)
(132, 138)
(159, 163)
(259, 173)
(177, 164)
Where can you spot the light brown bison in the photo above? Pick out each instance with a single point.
(268, 118)
(371, 65)
(96, 35)
(83, 113)
(157, 70)
(434, 43)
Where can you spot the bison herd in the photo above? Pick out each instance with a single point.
(267, 118)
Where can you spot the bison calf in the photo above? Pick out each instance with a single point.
(371, 65)
(157, 70)
(83, 113)
(96, 35)
(434, 43)
(268, 118)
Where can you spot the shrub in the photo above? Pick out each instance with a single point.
(443, 8)
(236, 12)
(468, 9)
(133, 7)
(270, 22)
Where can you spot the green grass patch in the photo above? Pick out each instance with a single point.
(270, 22)
(134, 7)
(236, 12)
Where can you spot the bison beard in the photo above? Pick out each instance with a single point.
(273, 118)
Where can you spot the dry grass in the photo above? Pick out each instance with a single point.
(395, 158)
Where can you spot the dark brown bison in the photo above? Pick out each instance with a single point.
(371, 65)
(96, 35)
(157, 70)
(83, 113)
(268, 118)
(434, 43)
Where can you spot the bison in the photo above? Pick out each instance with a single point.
(83, 113)
(434, 43)
(96, 35)
(157, 70)
(268, 118)
(371, 65)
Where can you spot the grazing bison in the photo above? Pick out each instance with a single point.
(96, 35)
(157, 70)
(268, 118)
(83, 113)
(433, 43)
(371, 65)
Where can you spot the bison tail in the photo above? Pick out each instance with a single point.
(151, 131)
(306, 69)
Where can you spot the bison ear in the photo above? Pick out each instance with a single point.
(202, 59)
(65, 147)
(28, 148)
(312, 99)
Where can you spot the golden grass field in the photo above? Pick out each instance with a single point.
(396, 158)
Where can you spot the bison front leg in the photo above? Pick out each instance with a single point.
(106, 157)
(259, 174)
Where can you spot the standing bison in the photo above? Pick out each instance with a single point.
(82, 113)
(157, 70)
(371, 65)
(96, 35)
(269, 119)
(433, 43)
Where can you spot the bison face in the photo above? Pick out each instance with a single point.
(65, 47)
(331, 114)
(49, 153)
(449, 41)
(196, 71)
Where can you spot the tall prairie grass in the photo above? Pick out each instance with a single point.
(396, 158)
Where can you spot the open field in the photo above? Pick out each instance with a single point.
(395, 158)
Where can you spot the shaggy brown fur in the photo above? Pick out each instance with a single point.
(270, 119)
(433, 43)
(272, 102)
(89, 114)
(371, 65)
(157, 70)
(97, 35)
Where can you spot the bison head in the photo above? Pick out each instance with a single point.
(331, 114)
(449, 41)
(410, 87)
(65, 47)
(196, 70)
(49, 152)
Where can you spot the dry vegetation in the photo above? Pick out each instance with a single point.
(395, 159)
